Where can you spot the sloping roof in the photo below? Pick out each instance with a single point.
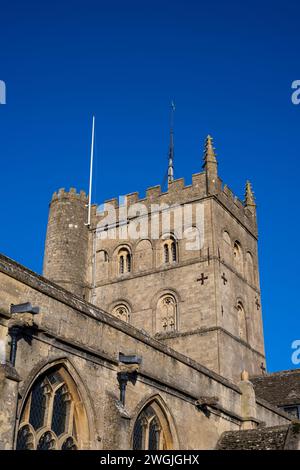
(279, 388)
(272, 438)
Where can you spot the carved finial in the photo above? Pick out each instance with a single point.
(249, 196)
(209, 152)
(245, 375)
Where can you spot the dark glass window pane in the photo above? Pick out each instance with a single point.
(128, 260)
(153, 436)
(54, 378)
(166, 253)
(59, 413)
(173, 250)
(25, 439)
(69, 444)
(121, 264)
(138, 435)
(46, 442)
(38, 406)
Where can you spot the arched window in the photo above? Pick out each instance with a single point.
(238, 256)
(128, 262)
(169, 251)
(121, 311)
(151, 430)
(242, 322)
(173, 251)
(49, 419)
(166, 253)
(166, 315)
(121, 264)
(124, 261)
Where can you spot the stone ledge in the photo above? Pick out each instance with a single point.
(5, 313)
(7, 371)
(171, 335)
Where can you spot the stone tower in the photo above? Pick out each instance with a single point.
(203, 301)
(66, 249)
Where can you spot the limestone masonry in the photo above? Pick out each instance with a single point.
(141, 335)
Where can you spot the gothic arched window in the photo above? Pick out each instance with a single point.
(124, 261)
(49, 417)
(151, 430)
(166, 315)
(121, 311)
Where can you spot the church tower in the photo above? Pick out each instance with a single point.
(204, 300)
(66, 248)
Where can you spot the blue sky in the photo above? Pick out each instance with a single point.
(228, 66)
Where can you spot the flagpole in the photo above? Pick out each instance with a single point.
(91, 174)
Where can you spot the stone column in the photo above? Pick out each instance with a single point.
(248, 402)
(9, 384)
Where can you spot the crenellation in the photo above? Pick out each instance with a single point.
(177, 185)
(239, 203)
(153, 193)
(132, 198)
(198, 179)
(72, 194)
(228, 192)
(112, 202)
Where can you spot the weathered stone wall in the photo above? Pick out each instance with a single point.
(66, 248)
(88, 341)
(201, 304)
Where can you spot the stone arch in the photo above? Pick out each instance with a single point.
(102, 265)
(80, 410)
(168, 251)
(143, 255)
(123, 260)
(238, 258)
(192, 241)
(242, 321)
(226, 247)
(166, 313)
(122, 310)
(149, 409)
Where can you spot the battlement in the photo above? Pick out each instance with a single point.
(179, 193)
(71, 194)
(230, 196)
(205, 184)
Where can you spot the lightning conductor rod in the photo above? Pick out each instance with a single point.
(91, 174)
(171, 147)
